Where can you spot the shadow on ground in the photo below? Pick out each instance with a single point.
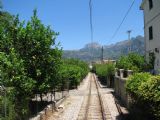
(134, 113)
(37, 106)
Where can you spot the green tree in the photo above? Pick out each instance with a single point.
(73, 71)
(13, 76)
(33, 43)
(132, 61)
(30, 59)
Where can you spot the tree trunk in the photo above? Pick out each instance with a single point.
(41, 97)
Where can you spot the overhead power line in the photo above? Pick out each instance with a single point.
(116, 31)
(91, 27)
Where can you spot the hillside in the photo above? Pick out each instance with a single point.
(112, 51)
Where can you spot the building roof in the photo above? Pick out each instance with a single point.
(142, 5)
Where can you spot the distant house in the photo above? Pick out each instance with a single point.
(151, 9)
(105, 62)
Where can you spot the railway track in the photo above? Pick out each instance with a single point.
(92, 107)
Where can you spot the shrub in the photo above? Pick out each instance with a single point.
(150, 91)
(105, 71)
(74, 71)
(145, 90)
(135, 81)
(101, 70)
(110, 69)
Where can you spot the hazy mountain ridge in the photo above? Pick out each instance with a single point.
(112, 51)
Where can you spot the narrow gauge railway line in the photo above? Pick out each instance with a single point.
(92, 107)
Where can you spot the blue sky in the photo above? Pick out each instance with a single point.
(71, 19)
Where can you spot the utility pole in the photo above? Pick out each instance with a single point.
(1, 6)
(129, 39)
(102, 54)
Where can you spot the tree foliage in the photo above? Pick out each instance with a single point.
(105, 71)
(29, 57)
(132, 61)
(101, 70)
(31, 63)
(135, 81)
(73, 71)
(145, 89)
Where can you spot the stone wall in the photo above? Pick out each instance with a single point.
(121, 76)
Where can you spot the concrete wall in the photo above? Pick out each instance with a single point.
(150, 13)
(119, 86)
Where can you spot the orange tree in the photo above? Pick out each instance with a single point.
(29, 57)
(73, 71)
(132, 61)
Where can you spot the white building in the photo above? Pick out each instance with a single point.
(151, 9)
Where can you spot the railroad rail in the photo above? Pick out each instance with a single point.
(92, 107)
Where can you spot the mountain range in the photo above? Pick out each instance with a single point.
(93, 51)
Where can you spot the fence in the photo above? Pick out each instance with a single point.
(6, 107)
(49, 99)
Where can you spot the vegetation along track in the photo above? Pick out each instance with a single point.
(92, 107)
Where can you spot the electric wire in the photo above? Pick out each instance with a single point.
(116, 31)
(91, 26)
